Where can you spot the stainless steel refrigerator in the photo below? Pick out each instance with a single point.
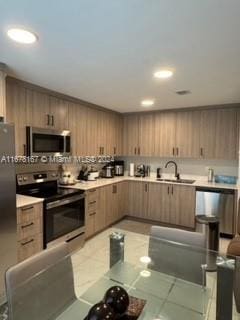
(8, 220)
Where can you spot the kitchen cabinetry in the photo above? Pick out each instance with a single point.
(16, 113)
(59, 113)
(29, 230)
(164, 137)
(165, 203)
(138, 199)
(138, 135)
(187, 141)
(38, 113)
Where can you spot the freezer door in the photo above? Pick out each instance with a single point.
(8, 224)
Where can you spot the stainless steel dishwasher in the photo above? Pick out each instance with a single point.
(218, 203)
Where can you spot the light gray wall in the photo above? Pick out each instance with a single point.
(187, 166)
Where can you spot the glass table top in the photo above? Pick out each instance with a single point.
(172, 277)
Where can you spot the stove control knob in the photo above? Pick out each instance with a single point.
(20, 179)
(25, 178)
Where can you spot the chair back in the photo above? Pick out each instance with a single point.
(42, 286)
(178, 253)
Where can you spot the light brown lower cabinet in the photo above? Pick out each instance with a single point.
(137, 199)
(166, 203)
(29, 230)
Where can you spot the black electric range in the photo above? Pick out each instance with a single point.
(64, 208)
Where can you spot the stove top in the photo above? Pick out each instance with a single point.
(43, 185)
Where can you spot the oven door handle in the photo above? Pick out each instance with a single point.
(59, 203)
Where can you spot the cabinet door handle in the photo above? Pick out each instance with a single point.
(146, 187)
(201, 152)
(135, 150)
(102, 150)
(92, 214)
(52, 121)
(173, 151)
(24, 149)
(92, 190)
(172, 189)
(114, 150)
(27, 225)
(114, 189)
(139, 150)
(92, 202)
(177, 151)
(27, 242)
(27, 208)
(168, 189)
(48, 120)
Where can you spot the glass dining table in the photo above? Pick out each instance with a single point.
(175, 280)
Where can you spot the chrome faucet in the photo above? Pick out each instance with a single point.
(177, 175)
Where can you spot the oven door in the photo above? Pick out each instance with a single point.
(48, 142)
(64, 219)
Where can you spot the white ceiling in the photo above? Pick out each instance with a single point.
(106, 51)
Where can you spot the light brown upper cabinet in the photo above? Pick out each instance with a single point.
(165, 133)
(16, 113)
(138, 135)
(131, 135)
(46, 111)
(218, 134)
(114, 134)
(187, 142)
(146, 135)
(59, 113)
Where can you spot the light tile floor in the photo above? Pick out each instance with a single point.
(94, 258)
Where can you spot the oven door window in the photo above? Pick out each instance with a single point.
(48, 143)
(64, 219)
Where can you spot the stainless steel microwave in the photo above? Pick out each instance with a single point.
(48, 142)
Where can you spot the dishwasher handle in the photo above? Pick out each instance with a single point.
(215, 190)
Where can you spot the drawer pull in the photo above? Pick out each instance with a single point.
(27, 225)
(93, 190)
(27, 208)
(92, 214)
(92, 202)
(27, 242)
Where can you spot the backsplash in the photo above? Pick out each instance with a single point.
(186, 166)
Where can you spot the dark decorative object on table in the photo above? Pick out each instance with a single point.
(117, 298)
(101, 311)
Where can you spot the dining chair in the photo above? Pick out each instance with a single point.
(178, 253)
(42, 286)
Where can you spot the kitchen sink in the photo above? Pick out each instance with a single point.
(188, 181)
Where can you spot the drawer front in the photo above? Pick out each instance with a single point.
(92, 195)
(29, 229)
(29, 213)
(29, 246)
(92, 206)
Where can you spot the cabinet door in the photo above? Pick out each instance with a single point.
(159, 202)
(122, 202)
(130, 135)
(146, 135)
(164, 137)
(226, 134)
(137, 199)
(182, 208)
(92, 132)
(59, 113)
(208, 134)
(188, 134)
(38, 109)
(114, 133)
(16, 114)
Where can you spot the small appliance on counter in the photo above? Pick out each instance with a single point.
(93, 174)
(210, 175)
(159, 173)
(108, 171)
(66, 178)
(119, 167)
(140, 171)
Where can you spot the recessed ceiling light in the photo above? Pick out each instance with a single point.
(147, 103)
(21, 36)
(163, 74)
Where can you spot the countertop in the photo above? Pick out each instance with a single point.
(87, 185)
(22, 201)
